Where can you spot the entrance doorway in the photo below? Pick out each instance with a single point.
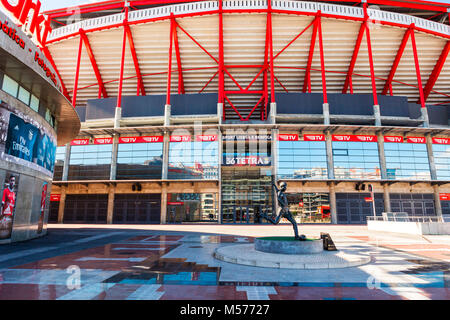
(246, 194)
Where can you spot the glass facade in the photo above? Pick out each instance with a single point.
(192, 207)
(90, 162)
(59, 163)
(139, 161)
(193, 160)
(302, 160)
(407, 161)
(441, 153)
(356, 160)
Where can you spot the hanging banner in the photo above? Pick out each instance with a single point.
(314, 137)
(288, 137)
(397, 139)
(441, 140)
(354, 138)
(416, 140)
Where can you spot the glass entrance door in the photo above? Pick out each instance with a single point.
(246, 194)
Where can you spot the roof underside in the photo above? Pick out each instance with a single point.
(244, 54)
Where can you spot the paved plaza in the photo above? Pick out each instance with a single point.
(176, 262)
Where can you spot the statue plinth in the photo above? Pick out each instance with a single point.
(288, 245)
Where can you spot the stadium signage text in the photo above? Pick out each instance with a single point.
(314, 137)
(444, 196)
(103, 141)
(354, 138)
(398, 139)
(288, 137)
(37, 25)
(149, 139)
(441, 140)
(416, 140)
(55, 197)
(79, 142)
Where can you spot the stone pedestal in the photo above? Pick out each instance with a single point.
(284, 245)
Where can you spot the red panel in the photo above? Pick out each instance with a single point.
(147, 139)
(288, 137)
(79, 142)
(397, 59)
(441, 140)
(314, 137)
(180, 138)
(416, 140)
(397, 139)
(103, 141)
(354, 138)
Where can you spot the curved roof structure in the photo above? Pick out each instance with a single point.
(315, 47)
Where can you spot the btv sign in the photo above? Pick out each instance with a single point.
(21, 9)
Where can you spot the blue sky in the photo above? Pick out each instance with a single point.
(56, 4)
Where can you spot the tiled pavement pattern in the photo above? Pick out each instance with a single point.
(159, 264)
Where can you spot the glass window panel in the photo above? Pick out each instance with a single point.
(24, 95)
(10, 86)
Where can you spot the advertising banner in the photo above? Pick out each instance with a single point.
(42, 210)
(9, 196)
(25, 141)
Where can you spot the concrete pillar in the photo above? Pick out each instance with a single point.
(165, 167)
(333, 204)
(386, 198)
(164, 203)
(377, 114)
(431, 157)
(437, 203)
(110, 212)
(426, 120)
(382, 156)
(219, 200)
(117, 118)
(115, 149)
(273, 112)
(220, 112)
(274, 151)
(62, 205)
(330, 162)
(65, 175)
(167, 114)
(326, 114)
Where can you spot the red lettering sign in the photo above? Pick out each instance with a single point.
(288, 137)
(354, 138)
(79, 142)
(441, 140)
(398, 139)
(103, 141)
(148, 139)
(416, 140)
(314, 137)
(206, 138)
(38, 25)
(175, 203)
(180, 138)
(55, 197)
(444, 196)
(368, 199)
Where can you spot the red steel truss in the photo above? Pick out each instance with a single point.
(266, 70)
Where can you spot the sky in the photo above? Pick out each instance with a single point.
(56, 4)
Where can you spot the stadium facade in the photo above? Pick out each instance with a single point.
(190, 110)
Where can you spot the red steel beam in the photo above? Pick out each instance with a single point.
(271, 61)
(169, 67)
(416, 62)
(221, 60)
(394, 67)
(177, 54)
(307, 81)
(141, 88)
(322, 60)
(436, 71)
(87, 45)
(77, 74)
(122, 63)
(372, 70)
(348, 80)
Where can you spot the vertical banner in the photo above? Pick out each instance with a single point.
(42, 210)
(9, 196)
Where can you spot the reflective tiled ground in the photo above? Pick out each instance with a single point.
(159, 263)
